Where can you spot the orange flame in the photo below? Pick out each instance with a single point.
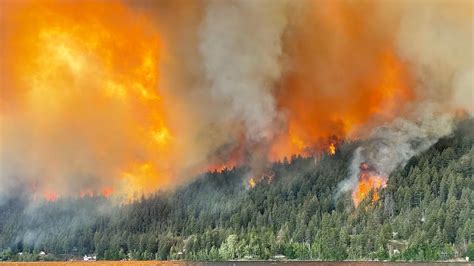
(252, 182)
(267, 176)
(221, 167)
(107, 191)
(340, 82)
(50, 196)
(332, 149)
(77, 72)
(368, 181)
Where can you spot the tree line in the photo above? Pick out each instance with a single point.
(423, 214)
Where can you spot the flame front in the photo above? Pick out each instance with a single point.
(337, 84)
(105, 98)
(83, 94)
(87, 85)
(368, 181)
(252, 182)
(332, 149)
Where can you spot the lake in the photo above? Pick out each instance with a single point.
(235, 263)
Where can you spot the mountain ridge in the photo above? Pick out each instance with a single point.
(424, 213)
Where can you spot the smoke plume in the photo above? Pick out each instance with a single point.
(241, 49)
(435, 39)
(125, 97)
(393, 144)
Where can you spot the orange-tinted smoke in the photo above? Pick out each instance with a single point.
(341, 72)
(80, 104)
(81, 99)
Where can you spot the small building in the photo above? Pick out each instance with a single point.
(90, 258)
(279, 257)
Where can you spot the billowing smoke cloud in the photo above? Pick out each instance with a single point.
(436, 40)
(393, 144)
(81, 111)
(241, 49)
(142, 95)
(341, 70)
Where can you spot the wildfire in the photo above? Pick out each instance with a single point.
(50, 196)
(252, 182)
(105, 192)
(333, 90)
(220, 167)
(162, 135)
(266, 176)
(368, 181)
(332, 149)
(83, 97)
(87, 83)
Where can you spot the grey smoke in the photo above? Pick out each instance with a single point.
(393, 144)
(436, 39)
(225, 70)
(241, 47)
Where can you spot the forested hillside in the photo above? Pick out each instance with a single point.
(296, 212)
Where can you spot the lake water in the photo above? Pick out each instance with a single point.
(236, 263)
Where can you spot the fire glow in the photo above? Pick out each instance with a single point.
(332, 149)
(252, 182)
(98, 76)
(369, 181)
(80, 73)
(109, 98)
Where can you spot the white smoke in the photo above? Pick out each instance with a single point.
(241, 47)
(393, 144)
(436, 39)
